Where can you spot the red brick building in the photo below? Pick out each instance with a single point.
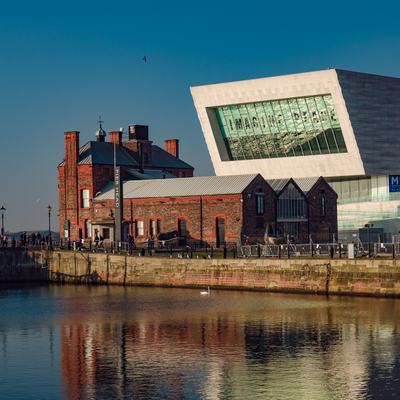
(217, 209)
(87, 169)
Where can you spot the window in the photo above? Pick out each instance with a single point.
(291, 204)
(182, 174)
(145, 158)
(88, 228)
(139, 228)
(106, 171)
(322, 206)
(85, 198)
(106, 233)
(260, 203)
(159, 226)
(152, 227)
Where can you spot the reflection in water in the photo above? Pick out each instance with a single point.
(152, 343)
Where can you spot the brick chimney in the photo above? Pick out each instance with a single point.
(71, 151)
(172, 147)
(115, 137)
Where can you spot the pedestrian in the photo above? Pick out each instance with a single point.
(96, 241)
(247, 241)
(5, 240)
(101, 241)
(148, 244)
(33, 238)
(24, 238)
(38, 236)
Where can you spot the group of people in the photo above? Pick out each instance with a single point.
(32, 239)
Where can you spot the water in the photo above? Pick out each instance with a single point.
(79, 342)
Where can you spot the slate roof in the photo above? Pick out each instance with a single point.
(103, 153)
(163, 159)
(305, 184)
(182, 187)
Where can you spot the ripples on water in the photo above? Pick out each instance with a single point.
(79, 342)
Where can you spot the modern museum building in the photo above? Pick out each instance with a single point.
(342, 125)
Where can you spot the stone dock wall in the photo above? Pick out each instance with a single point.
(363, 277)
(22, 265)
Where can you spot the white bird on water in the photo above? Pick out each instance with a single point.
(206, 292)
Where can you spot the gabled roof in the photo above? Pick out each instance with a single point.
(149, 174)
(182, 187)
(163, 159)
(103, 153)
(304, 184)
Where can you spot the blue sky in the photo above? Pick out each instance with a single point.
(62, 64)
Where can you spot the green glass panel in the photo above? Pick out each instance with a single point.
(305, 120)
(331, 141)
(281, 128)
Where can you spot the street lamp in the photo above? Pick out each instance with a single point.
(369, 248)
(2, 209)
(49, 210)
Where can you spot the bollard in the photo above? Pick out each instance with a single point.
(330, 251)
(225, 251)
(340, 250)
(191, 251)
(393, 252)
(258, 251)
(142, 251)
(211, 252)
(183, 252)
(288, 251)
(311, 250)
(279, 251)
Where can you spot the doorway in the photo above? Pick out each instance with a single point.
(220, 232)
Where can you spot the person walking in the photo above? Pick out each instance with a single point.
(38, 236)
(96, 241)
(5, 240)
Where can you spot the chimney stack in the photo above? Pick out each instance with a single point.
(115, 137)
(172, 147)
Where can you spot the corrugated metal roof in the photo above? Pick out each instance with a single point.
(151, 174)
(182, 187)
(162, 159)
(305, 184)
(103, 153)
(277, 184)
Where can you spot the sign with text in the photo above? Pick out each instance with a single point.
(394, 183)
(118, 197)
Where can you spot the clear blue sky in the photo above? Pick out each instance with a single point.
(62, 64)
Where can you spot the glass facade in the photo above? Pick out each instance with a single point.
(283, 128)
(362, 189)
(291, 204)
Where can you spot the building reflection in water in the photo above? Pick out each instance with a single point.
(290, 347)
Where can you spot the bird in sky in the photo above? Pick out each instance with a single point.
(37, 200)
(144, 58)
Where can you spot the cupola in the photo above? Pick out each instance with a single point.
(101, 134)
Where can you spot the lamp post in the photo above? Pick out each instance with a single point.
(2, 209)
(49, 210)
(369, 248)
